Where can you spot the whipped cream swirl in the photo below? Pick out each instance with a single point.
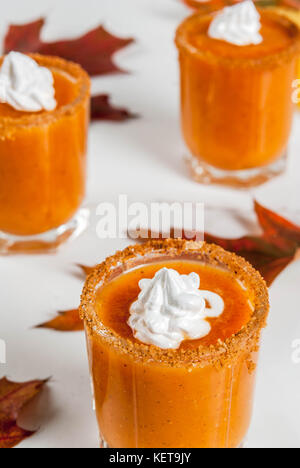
(26, 86)
(239, 25)
(171, 309)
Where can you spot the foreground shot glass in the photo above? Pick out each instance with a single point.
(236, 102)
(43, 164)
(197, 396)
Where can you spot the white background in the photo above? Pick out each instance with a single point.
(141, 158)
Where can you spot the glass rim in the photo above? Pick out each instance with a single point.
(220, 354)
(270, 60)
(46, 118)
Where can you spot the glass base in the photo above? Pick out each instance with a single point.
(47, 242)
(206, 174)
(103, 444)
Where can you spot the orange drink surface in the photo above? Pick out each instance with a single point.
(115, 299)
(197, 396)
(236, 100)
(43, 155)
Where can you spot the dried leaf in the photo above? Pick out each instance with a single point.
(266, 258)
(93, 51)
(24, 38)
(248, 245)
(278, 230)
(13, 397)
(101, 109)
(68, 321)
(270, 271)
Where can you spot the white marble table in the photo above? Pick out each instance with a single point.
(143, 159)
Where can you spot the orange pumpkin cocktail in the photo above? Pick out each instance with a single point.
(292, 12)
(178, 392)
(236, 100)
(43, 162)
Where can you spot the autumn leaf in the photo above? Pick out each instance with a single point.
(13, 398)
(278, 230)
(266, 258)
(67, 321)
(270, 271)
(94, 51)
(24, 38)
(101, 109)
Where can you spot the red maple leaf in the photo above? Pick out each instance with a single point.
(93, 51)
(13, 398)
(265, 257)
(278, 230)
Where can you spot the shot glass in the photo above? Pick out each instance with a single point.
(43, 165)
(236, 102)
(197, 396)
